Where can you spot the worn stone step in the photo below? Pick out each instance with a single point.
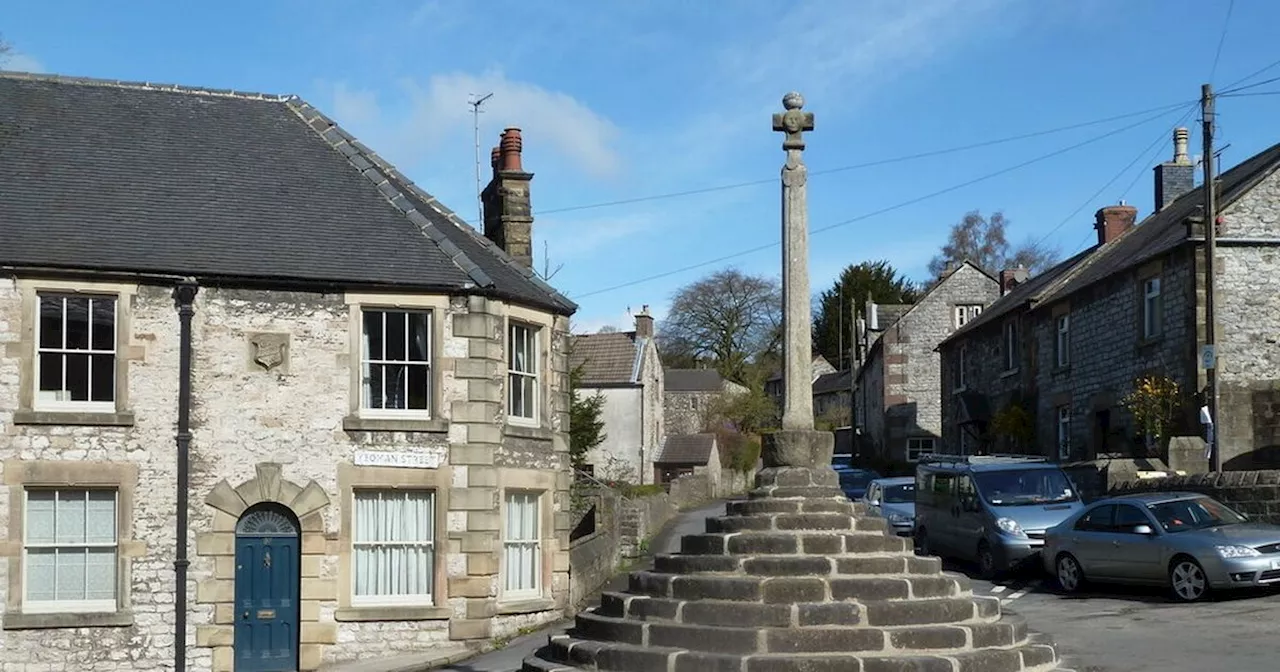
(695, 564)
(832, 492)
(925, 612)
(797, 476)
(752, 507)
(899, 563)
(616, 656)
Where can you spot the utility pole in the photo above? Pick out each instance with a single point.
(1210, 360)
(475, 104)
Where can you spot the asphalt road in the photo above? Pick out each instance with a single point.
(1128, 629)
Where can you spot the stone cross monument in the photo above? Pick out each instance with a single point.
(797, 343)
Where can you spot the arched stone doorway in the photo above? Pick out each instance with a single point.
(268, 580)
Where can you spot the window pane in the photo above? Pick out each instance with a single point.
(394, 385)
(397, 347)
(373, 334)
(41, 576)
(373, 386)
(104, 324)
(419, 386)
(78, 377)
(51, 322)
(50, 372)
(71, 574)
(390, 555)
(419, 336)
(40, 516)
(527, 387)
(516, 393)
(100, 574)
(100, 517)
(70, 518)
(102, 386)
(77, 323)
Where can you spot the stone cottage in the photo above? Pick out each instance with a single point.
(688, 395)
(773, 386)
(366, 414)
(1066, 347)
(624, 368)
(897, 411)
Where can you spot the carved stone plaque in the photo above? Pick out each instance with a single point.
(269, 351)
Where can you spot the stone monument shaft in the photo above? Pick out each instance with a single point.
(797, 337)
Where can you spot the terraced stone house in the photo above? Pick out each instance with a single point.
(1067, 345)
(897, 411)
(374, 449)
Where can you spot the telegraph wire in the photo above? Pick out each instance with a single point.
(883, 210)
(1228, 88)
(1222, 39)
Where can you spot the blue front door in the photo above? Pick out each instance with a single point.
(267, 577)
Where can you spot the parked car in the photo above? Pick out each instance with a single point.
(854, 481)
(1189, 542)
(991, 509)
(895, 499)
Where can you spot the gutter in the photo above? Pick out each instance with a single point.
(184, 295)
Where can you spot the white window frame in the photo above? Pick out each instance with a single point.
(958, 378)
(1012, 358)
(1062, 341)
(1064, 432)
(531, 342)
(916, 446)
(965, 312)
(53, 606)
(534, 544)
(1151, 326)
(39, 402)
(367, 410)
(429, 545)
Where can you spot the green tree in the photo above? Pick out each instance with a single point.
(984, 242)
(586, 428)
(877, 279)
(727, 320)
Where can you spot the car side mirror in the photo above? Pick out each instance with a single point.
(874, 502)
(1144, 530)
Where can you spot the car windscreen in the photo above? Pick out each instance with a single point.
(1193, 514)
(1018, 487)
(900, 494)
(856, 479)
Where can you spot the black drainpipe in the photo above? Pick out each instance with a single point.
(184, 294)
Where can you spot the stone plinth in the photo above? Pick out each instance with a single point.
(795, 579)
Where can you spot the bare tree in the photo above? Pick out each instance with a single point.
(728, 320)
(984, 242)
(5, 49)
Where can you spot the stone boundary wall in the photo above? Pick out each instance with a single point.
(1255, 493)
(621, 528)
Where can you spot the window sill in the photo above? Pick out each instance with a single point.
(527, 432)
(526, 606)
(1009, 373)
(959, 390)
(30, 417)
(392, 613)
(14, 620)
(355, 423)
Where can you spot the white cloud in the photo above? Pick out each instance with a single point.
(574, 240)
(438, 111)
(20, 62)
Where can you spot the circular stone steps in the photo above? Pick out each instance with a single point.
(795, 579)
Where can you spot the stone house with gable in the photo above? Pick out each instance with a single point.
(624, 368)
(774, 388)
(688, 395)
(1068, 345)
(376, 460)
(897, 410)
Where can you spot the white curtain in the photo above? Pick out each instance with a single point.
(393, 544)
(522, 556)
(71, 545)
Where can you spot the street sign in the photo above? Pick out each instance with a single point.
(1208, 356)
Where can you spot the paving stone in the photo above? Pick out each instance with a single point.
(702, 544)
(818, 640)
(787, 566)
(763, 542)
(633, 658)
(803, 663)
(650, 583)
(868, 590)
(741, 614)
(936, 586)
(929, 637)
(693, 661)
(739, 523)
(822, 544)
(827, 506)
(607, 629)
(830, 613)
(989, 660)
(871, 565)
(715, 588)
(651, 608)
(1037, 655)
(997, 634)
(764, 506)
(791, 590)
(704, 638)
(693, 564)
(908, 663)
(813, 521)
(919, 612)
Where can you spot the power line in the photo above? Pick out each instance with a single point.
(1246, 95)
(1222, 39)
(1255, 73)
(880, 211)
(1164, 136)
(868, 164)
(1155, 153)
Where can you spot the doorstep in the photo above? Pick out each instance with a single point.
(413, 662)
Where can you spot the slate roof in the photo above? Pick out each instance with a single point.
(687, 449)
(692, 380)
(833, 382)
(611, 358)
(100, 175)
(1157, 234)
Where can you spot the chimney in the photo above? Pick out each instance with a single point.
(644, 323)
(1177, 177)
(1114, 220)
(1012, 277)
(508, 214)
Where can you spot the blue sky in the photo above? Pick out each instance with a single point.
(627, 100)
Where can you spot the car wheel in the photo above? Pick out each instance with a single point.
(986, 561)
(1070, 575)
(922, 542)
(1187, 579)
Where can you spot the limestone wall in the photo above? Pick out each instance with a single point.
(287, 433)
(1254, 493)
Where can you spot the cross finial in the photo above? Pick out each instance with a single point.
(794, 122)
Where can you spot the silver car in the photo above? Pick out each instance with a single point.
(1186, 541)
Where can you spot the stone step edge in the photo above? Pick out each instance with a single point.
(659, 584)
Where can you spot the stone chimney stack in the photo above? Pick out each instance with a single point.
(644, 323)
(508, 213)
(1114, 220)
(1177, 177)
(1012, 277)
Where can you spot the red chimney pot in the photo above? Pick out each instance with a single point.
(511, 147)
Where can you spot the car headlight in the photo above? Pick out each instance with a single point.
(1237, 551)
(1010, 526)
(898, 518)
